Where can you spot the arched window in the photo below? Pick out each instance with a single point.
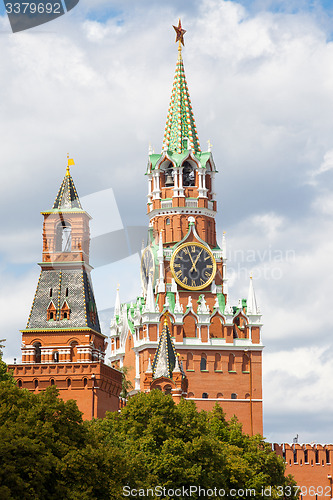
(73, 351)
(218, 362)
(246, 363)
(204, 395)
(38, 352)
(52, 381)
(36, 384)
(64, 237)
(19, 383)
(203, 363)
(231, 364)
(85, 382)
(167, 221)
(215, 328)
(190, 395)
(69, 383)
(189, 327)
(219, 395)
(168, 179)
(55, 357)
(247, 395)
(188, 175)
(189, 361)
(233, 395)
(167, 389)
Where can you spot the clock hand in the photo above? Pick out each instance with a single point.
(191, 260)
(196, 260)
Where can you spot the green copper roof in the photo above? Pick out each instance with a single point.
(180, 131)
(178, 158)
(67, 197)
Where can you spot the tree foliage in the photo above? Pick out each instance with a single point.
(48, 452)
(173, 446)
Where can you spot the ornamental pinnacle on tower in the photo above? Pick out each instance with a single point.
(180, 130)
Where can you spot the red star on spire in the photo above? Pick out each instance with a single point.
(179, 32)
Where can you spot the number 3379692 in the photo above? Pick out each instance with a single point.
(33, 8)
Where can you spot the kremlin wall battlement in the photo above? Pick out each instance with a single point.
(311, 465)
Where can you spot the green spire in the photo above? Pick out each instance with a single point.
(180, 131)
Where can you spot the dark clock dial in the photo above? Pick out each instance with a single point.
(147, 267)
(193, 266)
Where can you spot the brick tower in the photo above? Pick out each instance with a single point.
(62, 343)
(183, 272)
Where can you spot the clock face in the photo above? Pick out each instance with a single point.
(193, 266)
(147, 267)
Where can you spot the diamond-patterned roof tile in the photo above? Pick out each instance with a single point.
(180, 131)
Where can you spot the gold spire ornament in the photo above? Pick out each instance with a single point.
(180, 32)
(70, 162)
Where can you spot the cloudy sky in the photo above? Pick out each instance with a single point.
(96, 83)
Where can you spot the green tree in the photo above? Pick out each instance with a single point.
(171, 446)
(48, 452)
(5, 375)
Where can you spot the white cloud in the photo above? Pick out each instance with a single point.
(261, 87)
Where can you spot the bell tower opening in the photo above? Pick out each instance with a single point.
(64, 237)
(188, 175)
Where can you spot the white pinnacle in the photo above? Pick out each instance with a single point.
(150, 300)
(160, 247)
(117, 306)
(149, 369)
(224, 246)
(252, 307)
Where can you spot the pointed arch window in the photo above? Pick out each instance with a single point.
(65, 311)
(51, 312)
(64, 237)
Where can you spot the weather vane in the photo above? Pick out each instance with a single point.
(179, 34)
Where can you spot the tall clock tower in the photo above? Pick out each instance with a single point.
(62, 343)
(211, 351)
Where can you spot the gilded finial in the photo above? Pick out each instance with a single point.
(166, 318)
(180, 32)
(70, 162)
(251, 276)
